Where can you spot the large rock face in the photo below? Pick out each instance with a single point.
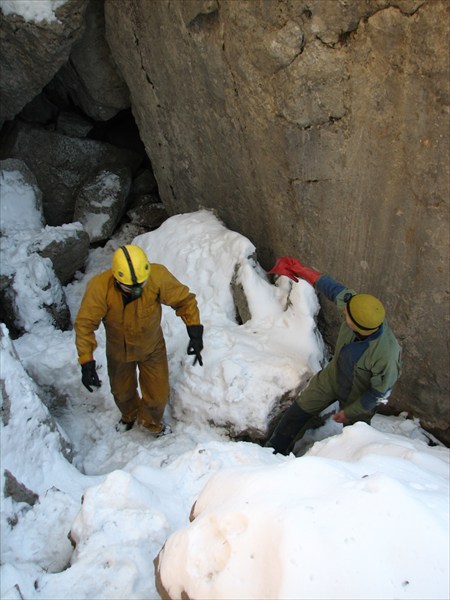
(90, 78)
(318, 129)
(33, 51)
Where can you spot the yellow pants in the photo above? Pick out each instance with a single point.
(154, 385)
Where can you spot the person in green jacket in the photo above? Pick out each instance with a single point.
(363, 370)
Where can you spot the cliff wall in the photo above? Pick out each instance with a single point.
(319, 129)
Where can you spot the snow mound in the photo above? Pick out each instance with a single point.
(248, 367)
(276, 531)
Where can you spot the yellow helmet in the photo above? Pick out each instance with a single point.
(366, 313)
(130, 265)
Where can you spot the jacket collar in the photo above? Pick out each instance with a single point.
(372, 336)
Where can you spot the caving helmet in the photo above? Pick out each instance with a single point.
(366, 313)
(131, 269)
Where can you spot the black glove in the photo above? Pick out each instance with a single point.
(195, 333)
(89, 375)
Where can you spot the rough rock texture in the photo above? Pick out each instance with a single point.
(32, 52)
(39, 110)
(101, 202)
(73, 125)
(64, 165)
(7, 306)
(144, 182)
(243, 312)
(318, 129)
(68, 250)
(90, 78)
(147, 213)
(17, 491)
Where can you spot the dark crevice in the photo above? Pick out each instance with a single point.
(330, 121)
(297, 180)
(204, 22)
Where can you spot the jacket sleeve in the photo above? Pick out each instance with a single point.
(175, 294)
(334, 291)
(92, 310)
(382, 381)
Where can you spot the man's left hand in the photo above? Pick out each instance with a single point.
(340, 417)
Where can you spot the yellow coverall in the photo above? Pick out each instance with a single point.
(134, 338)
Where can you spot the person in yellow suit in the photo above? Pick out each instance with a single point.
(127, 298)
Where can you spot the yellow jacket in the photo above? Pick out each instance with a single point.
(132, 331)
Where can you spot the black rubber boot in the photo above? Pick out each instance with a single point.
(123, 426)
(292, 422)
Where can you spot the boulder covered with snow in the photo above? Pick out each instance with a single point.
(30, 291)
(101, 201)
(36, 296)
(258, 351)
(314, 527)
(66, 246)
(36, 40)
(29, 434)
(40, 490)
(20, 198)
(61, 164)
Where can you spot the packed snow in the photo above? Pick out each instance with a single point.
(32, 10)
(20, 205)
(359, 512)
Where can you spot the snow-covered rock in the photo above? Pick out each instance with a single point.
(264, 361)
(101, 202)
(20, 198)
(278, 531)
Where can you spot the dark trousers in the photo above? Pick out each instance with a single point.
(291, 424)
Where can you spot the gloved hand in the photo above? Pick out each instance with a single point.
(89, 375)
(340, 417)
(195, 333)
(294, 269)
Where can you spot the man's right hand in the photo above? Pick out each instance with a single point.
(89, 375)
(195, 346)
(340, 417)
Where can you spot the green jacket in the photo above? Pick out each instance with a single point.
(363, 369)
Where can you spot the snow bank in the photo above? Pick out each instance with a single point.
(363, 515)
(249, 367)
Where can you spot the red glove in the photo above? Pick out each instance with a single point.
(294, 269)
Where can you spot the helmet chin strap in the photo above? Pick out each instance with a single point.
(135, 292)
(130, 292)
(130, 264)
